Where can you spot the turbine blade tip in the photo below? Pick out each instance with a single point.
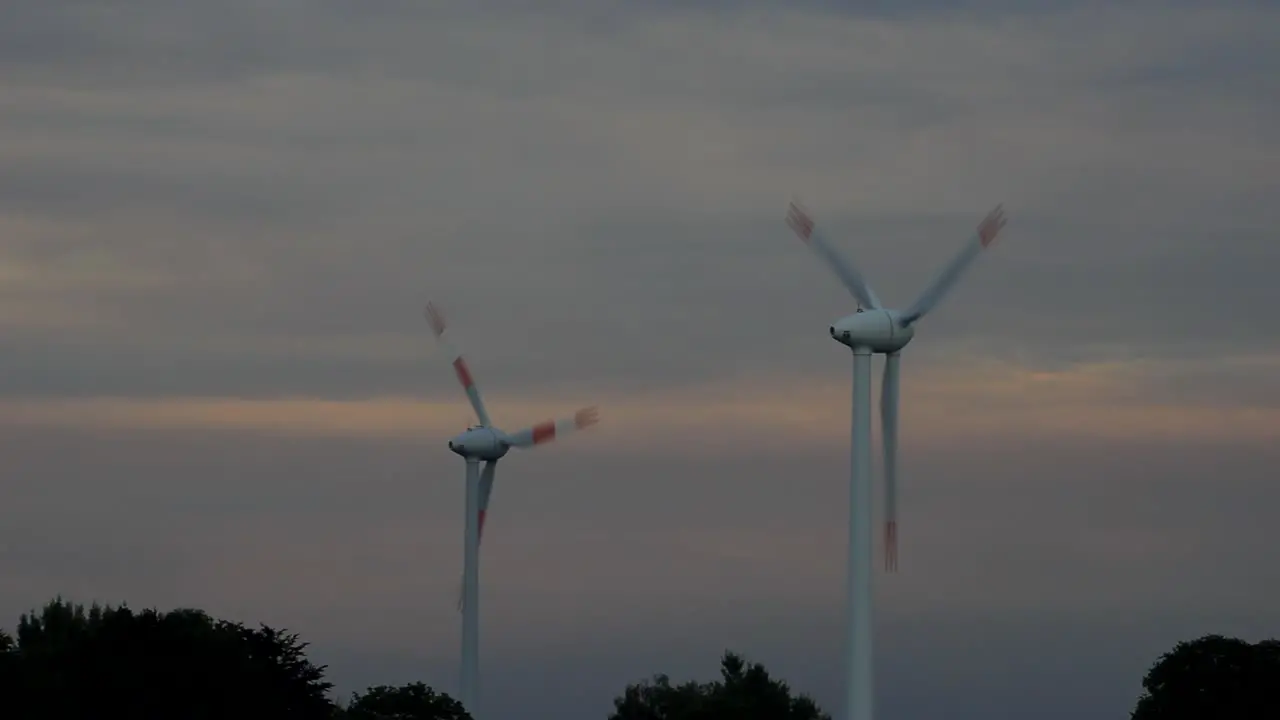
(991, 226)
(586, 417)
(799, 220)
(435, 318)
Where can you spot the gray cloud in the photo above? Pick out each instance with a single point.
(686, 301)
(317, 195)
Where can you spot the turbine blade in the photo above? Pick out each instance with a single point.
(436, 319)
(549, 430)
(889, 435)
(802, 224)
(986, 234)
(486, 489)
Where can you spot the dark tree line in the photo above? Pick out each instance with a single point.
(745, 691)
(1213, 678)
(68, 662)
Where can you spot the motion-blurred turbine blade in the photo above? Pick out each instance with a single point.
(486, 489)
(889, 436)
(436, 319)
(802, 224)
(986, 234)
(549, 430)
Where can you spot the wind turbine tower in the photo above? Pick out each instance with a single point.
(876, 329)
(486, 443)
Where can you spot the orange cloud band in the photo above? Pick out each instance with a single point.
(971, 402)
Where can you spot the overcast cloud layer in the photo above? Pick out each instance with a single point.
(219, 223)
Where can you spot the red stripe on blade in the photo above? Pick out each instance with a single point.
(543, 432)
(464, 375)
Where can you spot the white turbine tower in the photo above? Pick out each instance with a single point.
(488, 443)
(876, 329)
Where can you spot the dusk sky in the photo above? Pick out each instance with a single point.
(219, 223)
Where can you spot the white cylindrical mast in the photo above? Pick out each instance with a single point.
(860, 683)
(470, 674)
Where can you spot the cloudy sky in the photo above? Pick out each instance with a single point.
(219, 223)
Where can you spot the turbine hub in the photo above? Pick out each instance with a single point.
(878, 330)
(480, 443)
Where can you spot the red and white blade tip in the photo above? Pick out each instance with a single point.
(436, 319)
(586, 417)
(991, 225)
(799, 221)
(548, 430)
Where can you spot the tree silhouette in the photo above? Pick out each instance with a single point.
(414, 701)
(73, 663)
(69, 662)
(1213, 677)
(743, 692)
(9, 680)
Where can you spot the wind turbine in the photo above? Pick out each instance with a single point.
(488, 443)
(876, 329)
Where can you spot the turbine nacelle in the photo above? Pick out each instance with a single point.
(480, 443)
(879, 330)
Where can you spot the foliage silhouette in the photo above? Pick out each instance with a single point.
(75, 663)
(743, 692)
(414, 701)
(1213, 677)
(9, 680)
(69, 662)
